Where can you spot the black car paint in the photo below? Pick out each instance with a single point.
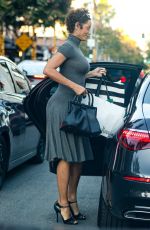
(120, 195)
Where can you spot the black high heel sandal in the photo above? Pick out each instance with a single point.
(57, 208)
(78, 216)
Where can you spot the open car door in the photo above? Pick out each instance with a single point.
(121, 79)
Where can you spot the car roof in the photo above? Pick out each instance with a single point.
(32, 67)
(31, 62)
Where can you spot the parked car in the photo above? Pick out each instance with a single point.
(124, 199)
(33, 69)
(19, 138)
(121, 160)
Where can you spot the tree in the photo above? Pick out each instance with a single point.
(112, 45)
(130, 52)
(3, 8)
(48, 12)
(34, 12)
(115, 46)
(148, 53)
(102, 14)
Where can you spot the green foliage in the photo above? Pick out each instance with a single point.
(103, 13)
(33, 12)
(3, 8)
(84, 48)
(148, 52)
(112, 45)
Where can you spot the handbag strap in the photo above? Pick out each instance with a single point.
(78, 98)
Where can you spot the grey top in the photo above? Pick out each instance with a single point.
(75, 66)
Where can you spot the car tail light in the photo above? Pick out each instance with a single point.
(139, 179)
(134, 140)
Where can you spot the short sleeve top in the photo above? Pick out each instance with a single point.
(75, 65)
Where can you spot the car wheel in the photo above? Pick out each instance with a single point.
(39, 157)
(106, 220)
(3, 160)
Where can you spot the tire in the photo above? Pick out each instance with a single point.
(106, 220)
(3, 160)
(39, 157)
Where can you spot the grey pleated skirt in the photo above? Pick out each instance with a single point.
(59, 144)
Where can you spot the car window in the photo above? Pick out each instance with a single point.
(20, 81)
(134, 96)
(6, 83)
(120, 82)
(119, 75)
(147, 95)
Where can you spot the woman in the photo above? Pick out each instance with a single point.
(70, 149)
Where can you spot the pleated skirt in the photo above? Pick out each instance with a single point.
(59, 144)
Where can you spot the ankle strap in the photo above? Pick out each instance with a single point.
(72, 202)
(62, 206)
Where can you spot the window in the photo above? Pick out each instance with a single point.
(6, 83)
(20, 81)
(147, 95)
(132, 102)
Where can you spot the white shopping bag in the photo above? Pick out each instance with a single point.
(109, 115)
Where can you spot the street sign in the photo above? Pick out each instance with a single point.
(24, 42)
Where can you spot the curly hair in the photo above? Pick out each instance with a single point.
(78, 15)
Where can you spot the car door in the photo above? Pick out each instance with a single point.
(22, 87)
(121, 79)
(14, 114)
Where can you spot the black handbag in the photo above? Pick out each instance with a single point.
(81, 119)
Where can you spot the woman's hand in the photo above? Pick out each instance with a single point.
(79, 90)
(98, 72)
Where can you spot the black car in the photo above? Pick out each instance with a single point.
(19, 138)
(121, 160)
(125, 191)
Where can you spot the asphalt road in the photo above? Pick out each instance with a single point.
(26, 200)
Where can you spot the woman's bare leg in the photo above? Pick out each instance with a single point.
(75, 172)
(63, 174)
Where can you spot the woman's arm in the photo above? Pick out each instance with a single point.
(97, 72)
(51, 72)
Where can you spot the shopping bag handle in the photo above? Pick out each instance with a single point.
(78, 98)
(108, 96)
